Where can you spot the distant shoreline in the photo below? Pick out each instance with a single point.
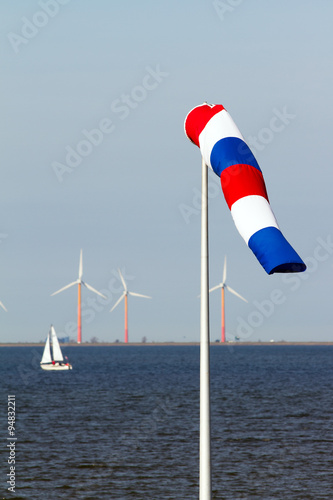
(150, 344)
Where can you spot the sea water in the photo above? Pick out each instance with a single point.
(124, 423)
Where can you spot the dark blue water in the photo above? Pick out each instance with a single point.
(124, 423)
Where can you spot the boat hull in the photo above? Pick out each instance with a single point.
(56, 368)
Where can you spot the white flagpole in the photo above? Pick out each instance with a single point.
(205, 472)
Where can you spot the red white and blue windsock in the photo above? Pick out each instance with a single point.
(223, 148)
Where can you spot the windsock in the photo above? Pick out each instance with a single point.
(211, 128)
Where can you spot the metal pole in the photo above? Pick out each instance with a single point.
(205, 472)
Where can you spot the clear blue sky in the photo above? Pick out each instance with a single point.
(129, 199)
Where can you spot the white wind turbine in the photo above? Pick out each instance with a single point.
(223, 285)
(3, 307)
(124, 295)
(79, 282)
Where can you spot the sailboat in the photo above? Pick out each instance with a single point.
(54, 361)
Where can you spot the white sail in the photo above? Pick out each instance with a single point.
(57, 354)
(46, 358)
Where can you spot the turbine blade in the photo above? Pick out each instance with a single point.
(118, 301)
(93, 289)
(80, 266)
(235, 293)
(3, 307)
(224, 270)
(122, 280)
(139, 295)
(215, 288)
(64, 288)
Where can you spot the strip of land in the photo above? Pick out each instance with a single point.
(145, 344)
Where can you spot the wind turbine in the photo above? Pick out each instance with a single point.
(223, 285)
(79, 282)
(125, 294)
(3, 307)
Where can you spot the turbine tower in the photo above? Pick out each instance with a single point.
(124, 295)
(79, 282)
(223, 285)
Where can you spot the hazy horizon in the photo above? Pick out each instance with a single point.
(94, 157)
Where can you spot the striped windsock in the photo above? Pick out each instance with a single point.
(223, 148)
